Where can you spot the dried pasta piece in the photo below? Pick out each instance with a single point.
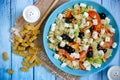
(36, 32)
(108, 53)
(32, 51)
(5, 56)
(23, 32)
(10, 71)
(29, 26)
(21, 48)
(24, 44)
(32, 38)
(26, 38)
(24, 69)
(32, 44)
(19, 39)
(24, 63)
(32, 64)
(38, 62)
(37, 48)
(22, 54)
(32, 59)
(27, 58)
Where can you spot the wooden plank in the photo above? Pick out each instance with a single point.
(5, 45)
(41, 73)
(114, 7)
(17, 7)
(4, 38)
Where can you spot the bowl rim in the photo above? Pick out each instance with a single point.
(79, 1)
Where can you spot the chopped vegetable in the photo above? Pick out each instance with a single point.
(83, 56)
(98, 60)
(69, 14)
(65, 53)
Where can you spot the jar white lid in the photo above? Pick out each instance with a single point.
(114, 73)
(31, 14)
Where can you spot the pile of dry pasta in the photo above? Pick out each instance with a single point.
(24, 45)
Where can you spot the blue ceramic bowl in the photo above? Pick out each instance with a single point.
(52, 18)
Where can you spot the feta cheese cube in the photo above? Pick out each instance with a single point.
(83, 21)
(75, 26)
(71, 33)
(85, 40)
(112, 30)
(87, 24)
(95, 35)
(108, 20)
(60, 16)
(62, 44)
(56, 56)
(63, 64)
(53, 27)
(59, 38)
(102, 31)
(85, 47)
(101, 52)
(87, 31)
(75, 55)
(95, 22)
(83, 5)
(74, 63)
(114, 45)
(77, 40)
(107, 39)
(87, 65)
(66, 25)
(51, 40)
(85, 14)
(101, 43)
(96, 65)
(90, 40)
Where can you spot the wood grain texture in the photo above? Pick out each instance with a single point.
(17, 7)
(12, 9)
(5, 45)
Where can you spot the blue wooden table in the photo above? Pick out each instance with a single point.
(12, 9)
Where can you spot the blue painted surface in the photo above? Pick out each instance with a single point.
(12, 9)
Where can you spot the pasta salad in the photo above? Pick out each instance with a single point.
(82, 37)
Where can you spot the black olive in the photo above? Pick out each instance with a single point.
(90, 54)
(69, 39)
(69, 49)
(81, 35)
(64, 36)
(111, 47)
(90, 48)
(104, 50)
(99, 47)
(68, 20)
(102, 15)
(91, 28)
